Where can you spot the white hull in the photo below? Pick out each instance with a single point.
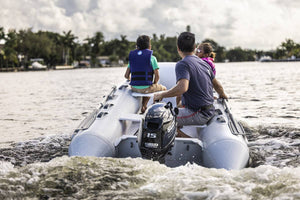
(37, 66)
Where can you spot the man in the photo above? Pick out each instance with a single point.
(142, 66)
(194, 87)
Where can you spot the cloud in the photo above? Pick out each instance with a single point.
(72, 7)
(251, 24)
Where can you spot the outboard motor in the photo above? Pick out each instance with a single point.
(158, 131)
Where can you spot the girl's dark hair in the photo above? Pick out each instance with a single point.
(207, 49)
(143, 42)
(186, 42)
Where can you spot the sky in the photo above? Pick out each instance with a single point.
(251, 24)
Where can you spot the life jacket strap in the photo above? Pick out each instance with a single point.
(141, 78)
(138, 73)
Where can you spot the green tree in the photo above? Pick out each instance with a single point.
(68, 43)
(95, 44)
(2, 37)
(2, 33)
(164, 48)
(86, 50)
(118, 49)
(288, 48)
(279, 53)
(237, 54)
(10, 53)
(55, 57)
(35, 45)
(124, 48)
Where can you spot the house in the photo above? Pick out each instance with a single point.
(103, 61)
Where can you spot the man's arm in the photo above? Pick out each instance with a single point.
(181, 87)
(178, 101)
(219, 89)
(127, 73)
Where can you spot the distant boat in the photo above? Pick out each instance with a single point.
(269, 59)
(37, 64)
(265, 59)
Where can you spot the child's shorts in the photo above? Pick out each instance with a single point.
(151, 89)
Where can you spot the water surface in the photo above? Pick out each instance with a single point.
(39, 111)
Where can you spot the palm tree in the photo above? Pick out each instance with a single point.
(10, 52)
(95, 44)
(124, 47)
(2, 33)
(2, 36)
(67, 42)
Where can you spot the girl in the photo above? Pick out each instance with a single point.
(205, 52)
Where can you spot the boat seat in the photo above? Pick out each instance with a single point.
(136, 94)
(131, 117)
(192, 130)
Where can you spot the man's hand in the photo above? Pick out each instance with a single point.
(181, 87)
(219, 89)
(224, 96)
(157, 97)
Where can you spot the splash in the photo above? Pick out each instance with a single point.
(41, 169)
(275, 146)
(111, 178)
(41, 149)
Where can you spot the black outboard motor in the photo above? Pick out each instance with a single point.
(158, 131)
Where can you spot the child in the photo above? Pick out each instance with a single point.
(205, 52)
(142, 65)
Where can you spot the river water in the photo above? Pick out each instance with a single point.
(39, 111)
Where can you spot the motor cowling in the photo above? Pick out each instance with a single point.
(158, 131)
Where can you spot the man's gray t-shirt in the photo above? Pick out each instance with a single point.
(200, 76)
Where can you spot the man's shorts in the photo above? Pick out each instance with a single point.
(151, 89)
(190, 117)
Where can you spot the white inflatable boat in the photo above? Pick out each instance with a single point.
(115, 128)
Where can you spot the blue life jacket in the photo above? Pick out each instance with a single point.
(140, 67)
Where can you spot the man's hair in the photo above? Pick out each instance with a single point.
(143, 42)
(186, 42)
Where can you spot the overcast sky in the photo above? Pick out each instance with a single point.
(254, 24)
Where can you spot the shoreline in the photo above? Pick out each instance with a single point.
(281, 60)
(59, 68)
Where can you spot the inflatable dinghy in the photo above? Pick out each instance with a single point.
(116, 129)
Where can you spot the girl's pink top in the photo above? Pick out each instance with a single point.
(210, 60)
